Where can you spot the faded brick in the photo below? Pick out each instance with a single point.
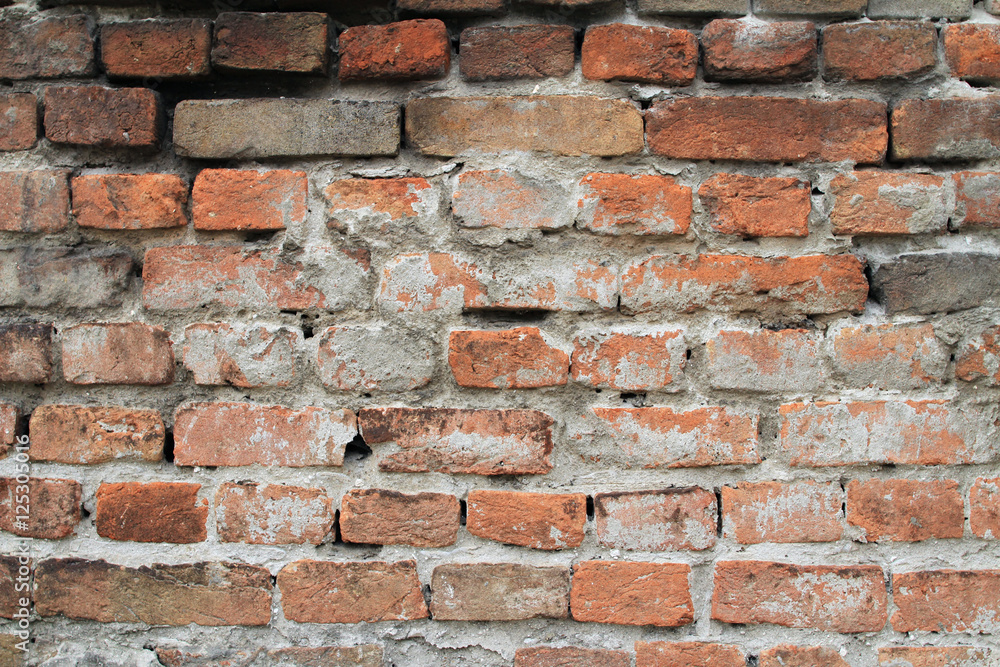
(627, 593)
(130, 201)
(64, 277)
(787, 655)
(34, 201)
(935, 656)
(648, 54)
(744, 51)
(406, 50)
(375, 357)
(637, 360)
(53, 510)
(915, 9)
(668, 520)
(241, 356)
(617, 204)
(161, 48)
(984, 504)
(874, 202)
(452, 7)
(752, 206)
(888, 356)
(48, 48)
(772, 361)
(947, 601)
(366, 655)
(247, 199)
(380, 201)
(810, 7)
(537, 520)
(117, 353)
(977, 199)
(499, 592)
(26, 353)
(687, 654)
(694, 7)
(940, 281)
(509, 200)
(272, 42)
(945, 129)
(550, 656)
(520, 358)
(18, 121)
(879, 50)
(151, 512)
(79, 434)
(804, 511)
(104, 117)
(272, 514)
(979, 358)
(517, 52)
(903, 510)
(9, 430)
(381, 516)
(13, 575)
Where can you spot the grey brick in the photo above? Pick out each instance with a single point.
(937, 282)
(916, 9)
(694, 7)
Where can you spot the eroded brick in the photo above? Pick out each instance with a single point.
(26, 353)
(878, 50)
(765, 360)
(272, 42)
(935, 656)
(887, 356)
(160, 48)
(499, 592)
(904, 510)
(756, 206)
(810, 7)
(628, 593)
(381, 516)
(18, 121)
(984, 508)
(87, 435)
(247, 199)
(82, 277)
(48, 48)
(537, 520)
(416, 49)
(550, 656)
(34, 201)
(151, 512)
(977, 199)
(520, 358)
(875, 202)
(117, 353)
(945, 129)
(509, 200)
(748, 51)
(53, 509)
(668, 520)
(130, 201)
(806, 511)
(644, 205)
(383, 201)
(787, 655)
(946, 601)
(272, 514)
(375, 357)
(649, 54)
(517, 52)
(638, 360)
(687, 654)
(240, 355)
(104, 117)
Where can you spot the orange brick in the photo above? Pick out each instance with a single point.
(687, 654)
(787, 655)
(537, 520)
(628, 360)
(417, 49)
(668, 520)
(876, 203)
(117, 353)
(381, 516)
(26, 353)
(18, 121)
(977, 199)
(786, 360)
(751, 51)
(751, 206)
(244, 199)
(104, 117)
(889, 356)
(649, 54)
(944, 129)
(272, 514)
(509, 200)
(87, 435)
(973, 52)
(34, 201)
(385, 199)
(903, 510)
(53, 511)
(626, 593)
(643, 205)
(947, 601)
(878, 50)
(984, 504)
(979, 359)
(130, 201)
(162, 49)
(151, 512)
(778, 512)
(9, 416)
(514, 359)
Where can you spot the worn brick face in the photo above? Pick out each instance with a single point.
(977, 199)
(786, 360)
(630, 360)
(787, 655)
(509, 200)
(381, 516)
(903, 510)
(889, 357)
(649, 54)
(89, 435)
(878, 50)
(18, 121)
(452, 7)
(743, 51)
(644, 205)
(104, 117)
(517, 52)
(130, 201)
(162, 48)
(628, 593)
(53, 507)
(499, 592)
(34, 201)
(984, 508)
(417, 49)
(538, 520)
(378, 357)
(752, 206)
(272, 514)
(241, 356)
(806, 511)
(519, 358)
(125, 353)
(49, 48)
(544, 656)
(383, 200)
(946, 601)
(153, 512)
(245, 199)
(935, 656)
(687, 654)
(272, 42)
(668, 520)
(26, 353)
(973, 52)
(86, 277)
(9, 416)
(871, 202)
(945, 129)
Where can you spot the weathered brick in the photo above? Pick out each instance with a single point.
(668, 520)
(822, 597)
(417, 49)
(756, 206)
(979, 359)
(768, 129)
(538, 520)
(34, 201)
(810, 7)
(945, 129)
(65, 277)
(86, 435)
(772, 361)
(517, 52)
(936, 282)
(973, 52)
(247, 199)
(879, 50)
(743, 51)
(240, 355)
(509, 200)
(806, 511)
(549, 656)
(787, 655)
(977, 199)
(382, 200)
(499, 592)
(366, 655)
(10, 415)
(272, 42)
(559, 124)
(210, 594)
(104, 117)
(13, 576)
(648, 54)
(323, 592)
(693, 7)
(381, 516)
(875, 202)
(984, 505)
(449, 440)
(520, 358)
(222, 129)
(18, 121)
(687, 654)
(26, 353)
(769, 285)
(117, 353)
(935, 656)
(888, 356)
(452, 7)
(240, 434)
(159, 48)
(48, 48)
(53, 507)
(272, 514)
(617, 204)
(151, 512)
(627, 593)
(915, 9)
(130, 201)
(947, 601)
(638, 360)
(375, 357)
(903, 510)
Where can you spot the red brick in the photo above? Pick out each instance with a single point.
(9, 416)
(476, 442)
(888, 356)
(775, 361)
(828, 598)
(158, 49)
(687, 654)
(272, 42)
(630, 360)
(499, 592)
(517, 52)
(322, 592)
(26, 353)
(246, 199)
(448, 7)
(770, 285)
(130, 201)
(617, 204)
(384, 199)
(935, 656)
(747, 51)
(153, 512)
(668, 520)
(117, 353)
(241, 434)
(104, 117)
(875, 202)
(787, 655)
(752, 206)
(209, 594)
(381, 516)
(903, 510)
(947, 601)
(406, 50)
(945, 129)
(977, 199)
(979, 359)
(626, 593)
(509, 200)
(804, 511)
(48, 48)
(376, 357)
(538, 520)
(768, 129)
(18, 121)
(34, 201)
(53, 507)
(649, 54)
(241, 356)
(972, 52)
(365, 655)
(518, 358)
(15, 589)
(87, 435)
(879, 50)
(984, 505)
(549, 656)
(272, 514)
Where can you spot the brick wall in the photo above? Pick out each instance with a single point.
(467, 332)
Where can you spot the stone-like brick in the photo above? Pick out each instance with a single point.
(272, 514)
(984, 505)
(499, 592)
(687, 654)
(947, 601)
(804, 511)
(375, 357)
(787, 655)
(518, 358)
(222, 129)
(272, 42)
(879, 50)
(648, 54)
(773, 361)
(417, 49)
(130, 201)
(202, 593)
(53, 508)
(86, 435)
(117, 353)
(768, 129)
(34, 201)
(381, 516)
(810, 7)
(754, 206)
(151, 512)
(936, 282)
(452, 7)
(382, 201)
(26, 353)
(48, 48)
(873, 202)
(915, 9)
(509, 200)
(977, 199)
(631, 360)
(323, 592)
(104, 117)
(64, 277)
(366, 655)
(18, 121)
(247, 199)
(559, 124)
(889, 356)
(936, 656)
(538, 520)
(517, 52)
(548, 656)
(240, 434)
(769, 285)
(241, 356)
(945, 129)
(903, 510)
(827, 598)
(694, 7)
(668, 520)
(449, 440)
(617, 204)
(627, 593)
(973, 52)
(744, 51)
(159, 49)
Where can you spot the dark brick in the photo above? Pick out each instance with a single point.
(694, 7)
(167, 49)
(950, 129)
(937, 282)
(272, 42)
(67, 277)
(879, 50)
(518, 52)
(104, 117)
(48, 48)
(810, 7)
(452, 7)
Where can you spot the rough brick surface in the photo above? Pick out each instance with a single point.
(618, 204)
(977, 199)
(49, 48)
(9, 430)
(687, 654)
(519, 358)
(127, 353)
(889, 357)
(934, 656)
(936, 282)
(509, 200)
(886, 203)
(18, 121)
(627, 593)
(380, 516)
(668, 520)
(104, 117)
(452, 7)
(366, 655)
(87, 435)
(130, 201)
(53, 507)
(649, 54)
(12, 591)
(162, 48)
(742, 51)
(693, 7)
(984, 504)
(85, 277)
(544, 656)
(773, 361)
(810, 7)
(34, 201)
(807, 511)
(417, 49)
(972, 52)
(787, 655)
(752, 206)
(241, 356)
(945, 129)
(27, 353)
(905, 510)
(153, 512)
(244, 199)
(915, 9)
(979, 358)
(629, 360)
(537, 520)
(878, 50)
(946, 601)
(275, 42)
(499, 592)
(517, 52)
(272, 514)
(380, 357)
(385, 200)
